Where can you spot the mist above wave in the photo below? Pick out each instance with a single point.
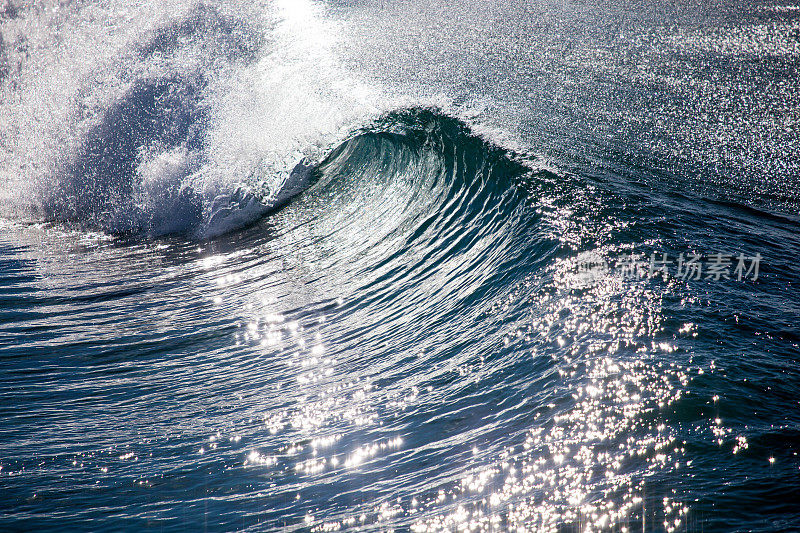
(161, 118)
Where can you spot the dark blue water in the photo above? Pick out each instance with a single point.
(261, 270)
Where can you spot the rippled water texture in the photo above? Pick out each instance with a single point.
(319, 266)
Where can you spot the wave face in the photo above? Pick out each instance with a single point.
(314, 266)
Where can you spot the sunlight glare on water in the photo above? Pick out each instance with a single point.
(312, 265)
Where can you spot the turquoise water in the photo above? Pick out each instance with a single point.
(322, 266)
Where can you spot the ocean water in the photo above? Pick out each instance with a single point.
(388, 265)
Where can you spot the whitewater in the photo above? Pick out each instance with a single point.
(309, 265)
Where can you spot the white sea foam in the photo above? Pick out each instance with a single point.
(163, 117)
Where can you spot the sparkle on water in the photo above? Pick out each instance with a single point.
(410, 344)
